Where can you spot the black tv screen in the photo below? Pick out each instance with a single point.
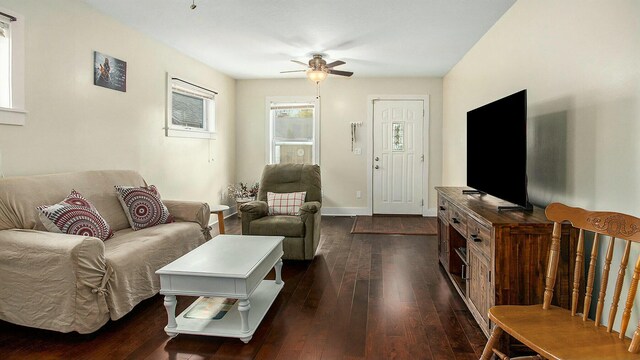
(497, 148)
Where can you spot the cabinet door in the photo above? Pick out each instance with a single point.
(479, 283)
(443, 243)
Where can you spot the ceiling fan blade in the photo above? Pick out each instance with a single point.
(292, 71)
(341, 73)
(300, 62)
(335, 63)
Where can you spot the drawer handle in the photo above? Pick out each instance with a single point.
(442, 208)
(455, 220)
(465, 273)
(476, 238)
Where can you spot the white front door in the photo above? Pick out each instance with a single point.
(398, 156)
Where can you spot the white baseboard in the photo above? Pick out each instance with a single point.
(213, 220)
(430, 212)
(345, 211)
(327, 211)
(353, 211)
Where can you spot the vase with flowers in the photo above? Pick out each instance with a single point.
(242, 193)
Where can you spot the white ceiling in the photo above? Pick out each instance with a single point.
(250, 39)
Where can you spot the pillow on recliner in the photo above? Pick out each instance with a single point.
(74, 215)
(285, 203)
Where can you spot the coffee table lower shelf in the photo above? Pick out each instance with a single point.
(229, 326)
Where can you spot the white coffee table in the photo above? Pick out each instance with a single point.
(231, 266)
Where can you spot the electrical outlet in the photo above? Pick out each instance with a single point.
(357, 151)
(358, 194)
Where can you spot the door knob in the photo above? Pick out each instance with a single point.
(377, 159)
(376, 167)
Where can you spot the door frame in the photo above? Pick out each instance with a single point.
(425, 146)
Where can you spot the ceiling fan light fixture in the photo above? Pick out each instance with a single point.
(316, 75)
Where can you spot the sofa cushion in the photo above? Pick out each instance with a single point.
(143, 206)
(75, 215)
(134, 257)
(20, 195)
(285, 203)
(281, 225)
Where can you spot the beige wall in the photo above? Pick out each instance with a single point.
(342, 101)
(580, 62)
(74, 125)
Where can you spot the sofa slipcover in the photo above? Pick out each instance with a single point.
(75, 283)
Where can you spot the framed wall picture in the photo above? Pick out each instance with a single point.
(109, 72)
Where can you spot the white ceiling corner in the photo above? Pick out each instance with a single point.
(252, 39)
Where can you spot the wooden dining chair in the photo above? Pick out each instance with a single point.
(557, 333)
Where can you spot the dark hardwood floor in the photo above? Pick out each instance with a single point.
(363, 297)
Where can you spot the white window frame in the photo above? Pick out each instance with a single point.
(292, 100)
(182, 86)
(15, 114)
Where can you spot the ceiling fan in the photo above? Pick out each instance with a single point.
(318, 69)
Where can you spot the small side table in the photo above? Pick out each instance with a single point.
(218, 209)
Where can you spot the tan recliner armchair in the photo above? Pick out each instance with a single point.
(301, 232)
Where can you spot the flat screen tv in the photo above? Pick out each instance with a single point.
(497, 150)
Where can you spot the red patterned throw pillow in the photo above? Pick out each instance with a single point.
(75, 215)
(143, 206)
(285, 203)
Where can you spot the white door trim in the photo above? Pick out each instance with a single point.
(425, 144)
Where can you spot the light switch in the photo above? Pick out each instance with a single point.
(357, 151)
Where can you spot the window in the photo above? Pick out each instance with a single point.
(5, 62)
(11, 68)
(293, 131)
(190, 109)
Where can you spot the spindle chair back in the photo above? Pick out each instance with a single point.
(556, 333)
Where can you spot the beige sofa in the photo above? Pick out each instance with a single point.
(75, 283)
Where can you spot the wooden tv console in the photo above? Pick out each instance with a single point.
(498, 258)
